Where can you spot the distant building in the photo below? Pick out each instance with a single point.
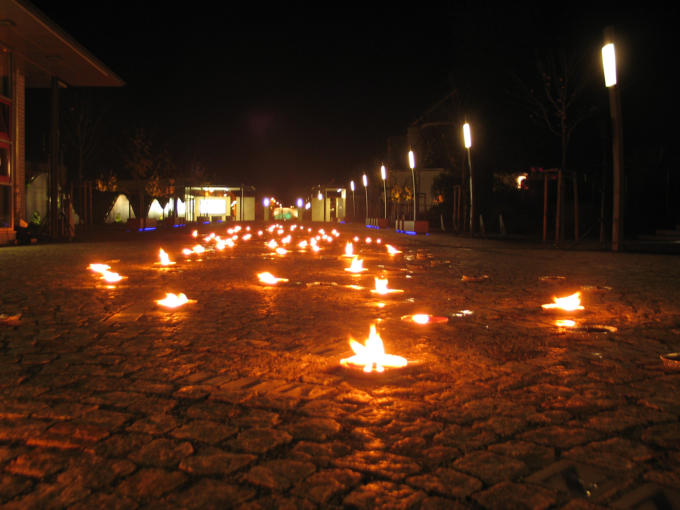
(35, 53)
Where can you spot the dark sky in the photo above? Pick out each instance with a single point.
(287, 97)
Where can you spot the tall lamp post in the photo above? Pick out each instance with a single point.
(609, 66)
(383, 174)
(365, 180)
(412, 164)
(467, 140)
(354, 204)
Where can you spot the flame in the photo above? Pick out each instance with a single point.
(270, 279)
(349, 249)
(568, 303)
(187, 251)
(272, 244)
(381, 287)
(111, 277)
(173, 300)
(99, 268)
(198, 249)
(391, 249)
(165, 259)
(194, 233)
(356, 266)
(424, 318)
(247, 237)
(565, 323)
(372, 355)
(281, 251)
(302, 244)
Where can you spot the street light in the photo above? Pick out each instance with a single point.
(354, 204)
(609, 67)
(412, 164)
(383, 174)
(365, 180)
(467, 140)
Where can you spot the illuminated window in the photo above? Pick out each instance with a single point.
(214, 206)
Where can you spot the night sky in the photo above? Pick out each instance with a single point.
(284, 98)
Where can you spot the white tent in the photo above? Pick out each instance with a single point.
(120, 211)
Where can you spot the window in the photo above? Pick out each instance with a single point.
(4, 73)
(4, 163)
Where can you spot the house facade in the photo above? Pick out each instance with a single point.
(35, 53)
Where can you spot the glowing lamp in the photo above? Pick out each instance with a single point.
(609, 64)
(467, 137)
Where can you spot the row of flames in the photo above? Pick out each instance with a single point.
(371, 354)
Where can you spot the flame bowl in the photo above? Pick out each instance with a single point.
(671, 360)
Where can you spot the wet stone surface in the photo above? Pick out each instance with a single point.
(238, 399)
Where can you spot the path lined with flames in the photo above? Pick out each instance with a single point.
(283, 365)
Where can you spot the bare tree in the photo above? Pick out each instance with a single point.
(556, 103)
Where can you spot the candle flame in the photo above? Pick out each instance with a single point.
(270, 279)
(371, 355)
(381, 287)
(567, 303)
(165, 259)
(173, 300)
(356, 266)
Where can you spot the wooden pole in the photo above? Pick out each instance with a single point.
(558, 207)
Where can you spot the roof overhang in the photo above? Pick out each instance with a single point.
(47, 51)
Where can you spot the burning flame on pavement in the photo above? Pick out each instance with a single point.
(99, 268)
(174, 300)
(356, 266)
(371, 356)
(281, 251)
(349, 249)
(565, 323)
(567, 304)
(165, 259)
(270, 279)
(381, 287)
(391, 249)
(111, 277)
(423, 318)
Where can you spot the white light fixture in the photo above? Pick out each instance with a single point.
(609, 64)
(467, 137)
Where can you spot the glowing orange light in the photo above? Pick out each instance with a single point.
(565, 323)
(174, 300)
(194, 233)
(349, 249)
(391, 249)
(111, 277)
(356, 266)
(270, 279)
(99, 268)
(198, 249)
(424, 318)
(371, 356)
(381, 287)
(164, 258)
(281, 251)
(567, 304)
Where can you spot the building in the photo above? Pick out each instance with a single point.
(35, 53)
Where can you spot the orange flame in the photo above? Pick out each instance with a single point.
(372, 355)
(173, 300)
(381, 287)
(349, 249)
(111, 277)
(99, 268)
(165, 259)
(391, 249)
(356, 266)
(567, 304)
(270, 279)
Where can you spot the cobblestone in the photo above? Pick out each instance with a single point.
(239, 400)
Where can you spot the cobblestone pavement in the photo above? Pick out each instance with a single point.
(238, 400)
